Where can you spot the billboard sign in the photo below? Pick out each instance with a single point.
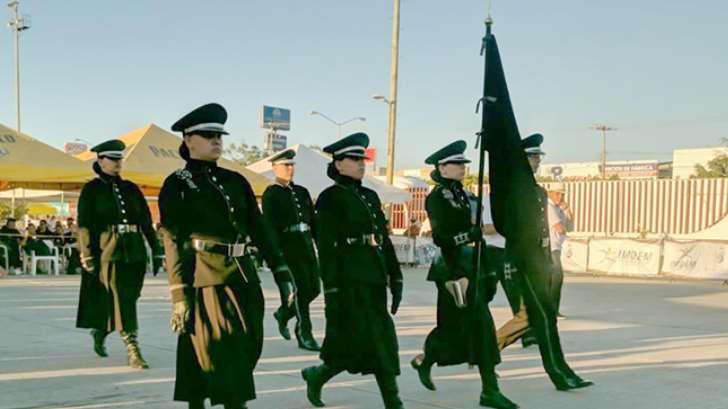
(275, 118)
(275, 142)
(629, 170)
(74, 148)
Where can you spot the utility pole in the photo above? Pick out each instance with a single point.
(17, 24)
(392, 100)
(604, 129)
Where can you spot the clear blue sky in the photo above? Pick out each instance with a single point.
(654, 69)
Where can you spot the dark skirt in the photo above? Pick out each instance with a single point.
(462, 335)
(216, 360)
(107, 300)
(364, 341)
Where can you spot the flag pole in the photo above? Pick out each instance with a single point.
(480, 145)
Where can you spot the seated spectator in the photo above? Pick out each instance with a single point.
(59, 236)
(43, 229)
(74, 260)
(32, 243)
(10, 237)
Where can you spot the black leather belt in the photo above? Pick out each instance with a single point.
(226, 249)
(372, 240)
(297, 228)
(125, 228)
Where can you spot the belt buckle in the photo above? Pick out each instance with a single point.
(236, 250)
(198, 244)
(372, 239)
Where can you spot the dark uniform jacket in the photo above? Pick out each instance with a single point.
(347, 213)
(107, 201)
(528, 230)
(284, 207)
(207, 202)
(448, 208)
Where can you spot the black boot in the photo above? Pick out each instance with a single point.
(99, 337)
(132, 350)
(282, 317)
(306, 341)
(390, 393)
(304, 334)
(568, 383)
(529, 339)
(423, 367)
(491, 396)
(198, 404)
(316, 377)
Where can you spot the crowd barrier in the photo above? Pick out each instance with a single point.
(419, 251)
(700, 259)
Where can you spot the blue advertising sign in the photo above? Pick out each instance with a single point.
(275, 118)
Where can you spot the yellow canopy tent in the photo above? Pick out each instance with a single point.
(42, 209)
(27, 162)
(151, 155)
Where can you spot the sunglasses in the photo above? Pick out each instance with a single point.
(111, 159)
(209, 135)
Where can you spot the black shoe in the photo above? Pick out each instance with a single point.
(99, 338)
(577, 383)
(574, 382)
(282, 325)
(308, 344)
(394, 404)
(529, 340)
(313, 386)
(495, 399)
(424, 373)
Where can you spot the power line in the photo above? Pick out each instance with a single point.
(604, 129)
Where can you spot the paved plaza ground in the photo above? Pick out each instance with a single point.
(646, 343)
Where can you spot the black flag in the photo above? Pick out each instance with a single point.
(509, 173)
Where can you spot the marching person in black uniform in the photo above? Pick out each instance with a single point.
(527, 247)
(465, 332)
(357, 263)
(113, 221)
(212, 227)
(517, 327)
(289, 210)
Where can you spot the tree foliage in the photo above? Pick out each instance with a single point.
(715, 168)
(244, 154)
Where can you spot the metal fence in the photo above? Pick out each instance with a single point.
(669, 206)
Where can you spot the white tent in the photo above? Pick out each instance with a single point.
(407, 182)
(311, 173)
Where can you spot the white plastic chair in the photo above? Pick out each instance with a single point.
(6, 256)
(31, 261)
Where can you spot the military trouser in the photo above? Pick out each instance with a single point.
(514, 329)
(557, 279)
(542, 319)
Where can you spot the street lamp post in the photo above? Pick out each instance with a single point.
(338, 124)
(17, 24)
(392, 101)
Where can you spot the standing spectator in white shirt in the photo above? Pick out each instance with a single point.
(560, 221)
